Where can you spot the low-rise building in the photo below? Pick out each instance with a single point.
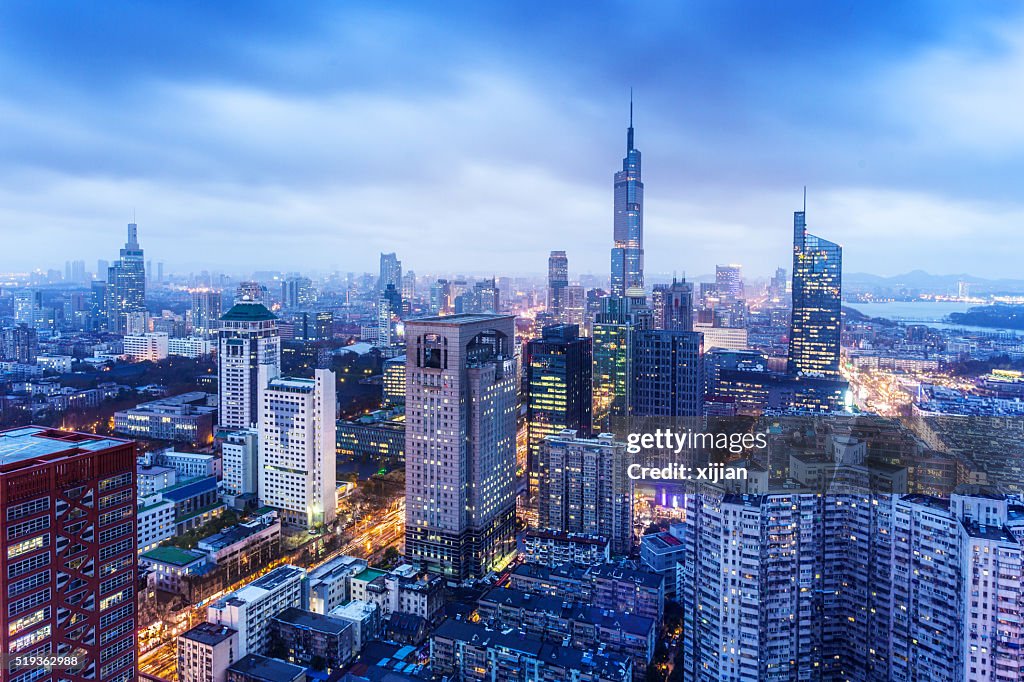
(310, 637)
(255, 668)
(250, 609)
(150, 347)
(329, 583)
(471, 652)
(256, 540)
(365, 619)
(205, 652)
(185, 419)
(661, 552)
(170, 566)
(554, 548)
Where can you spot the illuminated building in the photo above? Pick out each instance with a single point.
(126, 284)
(394, 381)
(150, 347)
(297, 440)
(460, 446)
(667, 375)
(816, 318)
(558, 282)
(612, 362)
(378, 437)
(558, 387)
(69, 562)
(205, 652)
(184, 418)
(627, 269)
(204, 313)
(250, 609)
(583, 488)
(248, 341)
(673, 306)
(390, 273)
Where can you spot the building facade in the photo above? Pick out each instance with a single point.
(460, 448)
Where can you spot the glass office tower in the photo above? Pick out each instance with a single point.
(816, 320)
(628, 251)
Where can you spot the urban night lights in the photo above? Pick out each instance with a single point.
(422, 377)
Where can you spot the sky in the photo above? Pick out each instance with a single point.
(476, 137)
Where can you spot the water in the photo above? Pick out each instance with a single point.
(930, 313)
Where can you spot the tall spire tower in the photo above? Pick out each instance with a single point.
(628, 250)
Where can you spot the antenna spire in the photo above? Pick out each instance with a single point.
(629, 132)
(805, 198)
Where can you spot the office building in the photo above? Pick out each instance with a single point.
(728, 338)
(672, 306)
(297, 438)
(816, 317)
(126, 285)
(239, 457)
(667, 374)
(583, 488)
(69, 569)
(250, 609)
(559, 366)
(558, 283)
(149, 347)
(205, 652)
(627, 260)
(394, 381)
(247, 341)
(185, 418)
(460, 448)
(297, 292)
(390, 272)
(378, 437)
(204, 312)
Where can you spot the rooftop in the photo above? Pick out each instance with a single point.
(310, 620)
(209, 633)
(36, 442)
(458, 319)
(173, 556)
(268, 669)
(368, 574)
(248, 311)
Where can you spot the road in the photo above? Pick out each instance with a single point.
(373, 536)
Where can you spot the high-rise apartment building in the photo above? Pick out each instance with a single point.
(583, 488)
(558, 387)
(126, 284)
(204, 312)
(390, 272)
(628, 251)
(69, 561)
(816, 317)
(460, 449)
(297, 438)
(248, 340)
(558, 282)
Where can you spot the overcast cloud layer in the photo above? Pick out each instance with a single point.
(471, 138)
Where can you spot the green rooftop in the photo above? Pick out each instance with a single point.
(248, 311)
(369, 574)
(172, 555)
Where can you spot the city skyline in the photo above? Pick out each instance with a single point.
(240, 137)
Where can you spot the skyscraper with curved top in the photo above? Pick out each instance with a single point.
(817, 299)
(628, 251)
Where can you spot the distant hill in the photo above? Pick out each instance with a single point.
(927, 282)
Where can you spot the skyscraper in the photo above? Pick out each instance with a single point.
(558, 388)
(297, 447)
(70, 562)
(390, 272)
(126, 284)
(673, 306)
(460, 443)
(667, 374)
(558, 282)
(583, 488)
(817, 288)
(628, 250)
(204, 314)
(248, 340)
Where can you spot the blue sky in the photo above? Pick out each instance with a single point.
(476, 137)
